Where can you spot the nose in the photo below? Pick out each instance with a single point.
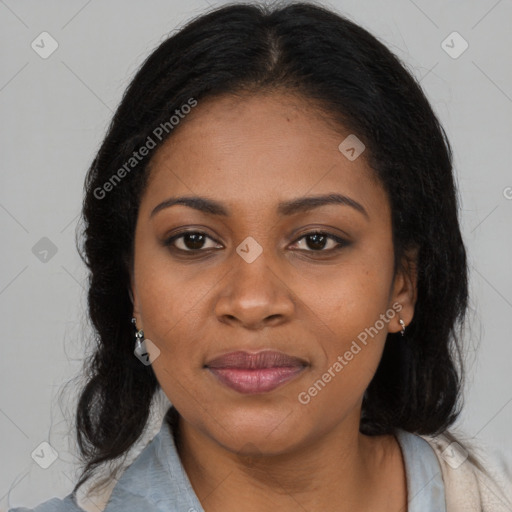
(254, 296)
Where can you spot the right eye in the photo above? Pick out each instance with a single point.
(191, 241)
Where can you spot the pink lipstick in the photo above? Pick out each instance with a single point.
(255, 373)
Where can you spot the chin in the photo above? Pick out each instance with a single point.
(263, 429)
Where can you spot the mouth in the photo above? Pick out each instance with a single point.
(261, 372)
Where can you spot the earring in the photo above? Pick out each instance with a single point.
(402, 323)
(139, 337)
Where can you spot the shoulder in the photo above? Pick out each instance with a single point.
(66, 504)
(474, 474)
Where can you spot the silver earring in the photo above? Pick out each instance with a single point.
(402, 323)
(139, 337)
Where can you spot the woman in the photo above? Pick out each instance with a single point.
(272, 234)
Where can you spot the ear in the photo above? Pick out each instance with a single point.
(405, 290)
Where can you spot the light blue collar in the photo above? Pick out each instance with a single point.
(156, 481)
(425, 486)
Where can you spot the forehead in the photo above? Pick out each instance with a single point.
(253, 151)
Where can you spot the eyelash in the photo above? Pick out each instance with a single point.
(340, 241)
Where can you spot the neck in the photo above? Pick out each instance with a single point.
(341, 467)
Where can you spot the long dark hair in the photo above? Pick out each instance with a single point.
(359, 85)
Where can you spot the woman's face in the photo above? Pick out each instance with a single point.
(251, 280)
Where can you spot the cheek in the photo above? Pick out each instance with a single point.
(170, 310)
(354, 306)
(168, 303)
(356, 297)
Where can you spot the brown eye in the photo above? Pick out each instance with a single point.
(317, 241)
(190, 241)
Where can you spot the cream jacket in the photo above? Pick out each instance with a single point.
(482, 483)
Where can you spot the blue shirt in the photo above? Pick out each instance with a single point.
(157, 482)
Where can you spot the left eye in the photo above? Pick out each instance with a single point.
(319, 240)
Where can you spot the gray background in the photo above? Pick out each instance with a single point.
(54, 113)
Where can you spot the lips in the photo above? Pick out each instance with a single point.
(263, 359)
(255, 373)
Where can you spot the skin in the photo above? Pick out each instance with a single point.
(250, 153)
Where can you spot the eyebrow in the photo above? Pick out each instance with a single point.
(291, 207)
